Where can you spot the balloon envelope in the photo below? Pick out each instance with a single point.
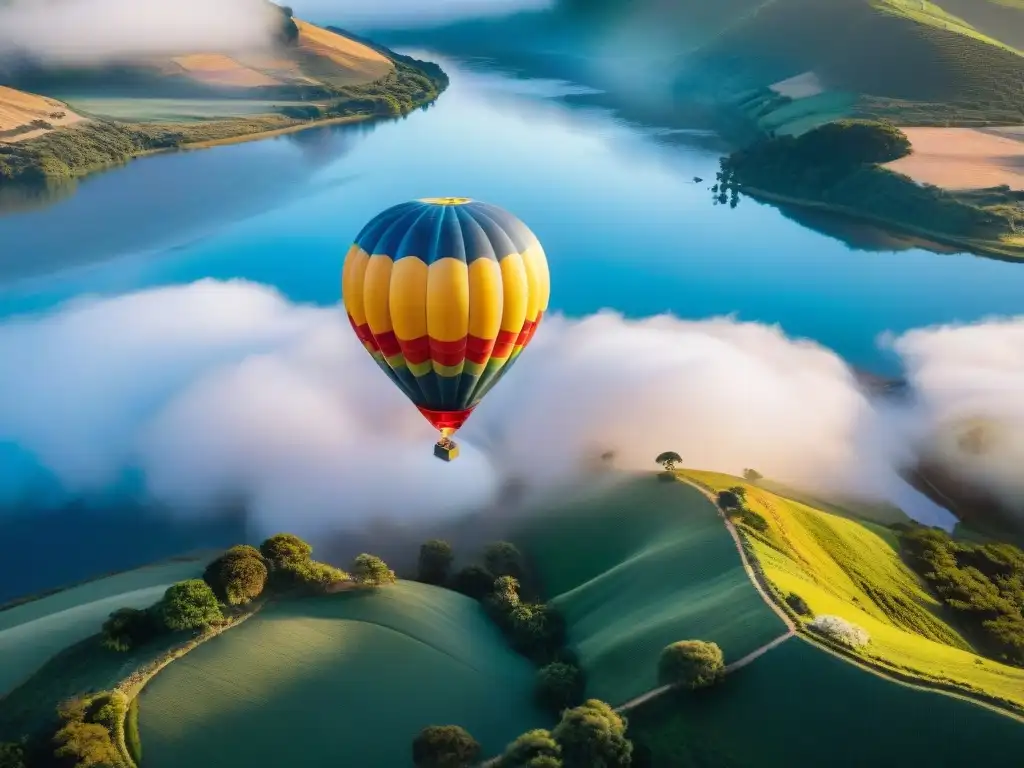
(445, 293)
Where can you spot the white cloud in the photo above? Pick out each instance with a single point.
(224, 390)
(90, 31)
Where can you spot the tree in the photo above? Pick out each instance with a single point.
(559, 685)
(237, 576)
(503, 559)
(853, 143)
(86, 744)
(285, 548)
(474, 581)
(668, 460)
(752, 475)
(371, 571)
(505, 594)
(530, 748)
(317, 577)
(593, 735)
(444, 746)
(435, 561)
(728, 500)
(691, 664)
(12, 755)
(128, 628)
(189, 605)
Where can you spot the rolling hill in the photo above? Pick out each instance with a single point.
(852, 569)
(347, 679)
(66, 121)
(800, 706)
(640, 567)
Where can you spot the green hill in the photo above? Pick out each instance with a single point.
(347, 679)
(34, 631)
(852, 569)
(799, 705)
(637, 568)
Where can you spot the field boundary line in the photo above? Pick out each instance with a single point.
(900, 678)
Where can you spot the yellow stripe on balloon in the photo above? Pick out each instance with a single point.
(540, 281)
(515, 289)
(408, 299)
(376, 292)
(352, 283)
(486, 299)
(447, 300)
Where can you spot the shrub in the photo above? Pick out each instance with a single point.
(691, 664)
(285, 548)
(444, 746)
(314, 575)
(189, 605)
(12, 755)
(505, 594)
(473, 581)
(435, 561)
(237, 576)
(86, 744)
(127, 628)
(728, 500)
(559, 685)
(370, 570)
(531, 749)
(593, 735)
(503, 559)
(798, 604)
(841, 631)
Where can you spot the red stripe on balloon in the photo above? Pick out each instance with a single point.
(478, 350)
(388, 344)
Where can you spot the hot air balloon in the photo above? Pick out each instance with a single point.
(445, 293)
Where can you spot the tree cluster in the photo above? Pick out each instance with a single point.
(233, 580)
(85, 738)
(500, 558)
(983, 584)
(591, 735)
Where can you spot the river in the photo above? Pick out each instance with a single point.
(624, 223)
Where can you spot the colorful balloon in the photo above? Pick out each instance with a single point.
(445, 293)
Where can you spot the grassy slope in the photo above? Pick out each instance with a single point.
(637, 568)
(33, 632)
(853, 570)
(342, 680)
(800, 706)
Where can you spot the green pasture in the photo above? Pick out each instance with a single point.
(637, 568)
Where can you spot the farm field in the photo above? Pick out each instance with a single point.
(347, 679)
(799, 705)
(33, 632)
(852, 569)
(158, 110)
(639, 567)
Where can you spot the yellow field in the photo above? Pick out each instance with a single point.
(18, 109)
(218, 69)
(852, 569)
(355, 63)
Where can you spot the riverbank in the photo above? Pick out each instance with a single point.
(841, 168)
(95, 143)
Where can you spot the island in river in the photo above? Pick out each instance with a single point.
(66, 122)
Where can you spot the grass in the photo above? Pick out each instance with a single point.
(145, 110)
(800, 706)
(637, 568)
(852, 569)
(33, 632)
(347, 679)
(131, 731)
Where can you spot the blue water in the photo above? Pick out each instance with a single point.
(615, 205)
